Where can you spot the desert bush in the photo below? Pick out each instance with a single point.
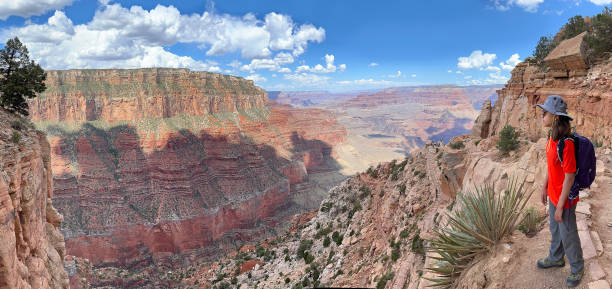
(508, 139)
(530, 222)
(457, 145)
(483, 219)
(337, 237)
(326, 241)
(600, 39)
(304, 246)
(16, 137)
(572, 28)
(326, 206)
(417, 245)
(383, 280)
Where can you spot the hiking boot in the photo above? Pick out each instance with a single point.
(546, 263)
(574, 279)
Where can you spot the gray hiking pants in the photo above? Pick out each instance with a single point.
(565, 238)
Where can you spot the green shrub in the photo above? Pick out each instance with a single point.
(402, 188)
(337, 238)
(572, 28)
(545, 45)
(308, 258)
(287, 280)
(323, 231)
(531, 220)
(304, 246)
(457, 145)
(508, 139)
(416, 245)
(16, 137)
(395, 252)
(383, 280)
(600, 39)
(483, 219)
(365, 191)
(326, 206)
(326, 242)
(476, 142)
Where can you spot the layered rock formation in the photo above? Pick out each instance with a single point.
(132, 94)
(31, 247)
(370, 231)
(589, 98)
(169, 166)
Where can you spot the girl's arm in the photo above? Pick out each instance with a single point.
(545, 189)
(568, 182)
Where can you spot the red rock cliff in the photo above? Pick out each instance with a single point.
(130, 94)
(173, 166)
(31, 246)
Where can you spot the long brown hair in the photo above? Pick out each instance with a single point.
(560, 127)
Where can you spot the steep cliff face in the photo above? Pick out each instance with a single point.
(31, 247)
(589, 100)
(131, 94)
(168, 166)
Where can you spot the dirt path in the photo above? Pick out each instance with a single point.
(513, 264)
(597, 253)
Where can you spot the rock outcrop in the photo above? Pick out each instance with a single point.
(165, 167)
(31, 247)
(568, 58)
(481, 125)
(589, 99)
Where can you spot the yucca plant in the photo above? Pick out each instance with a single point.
(483, 218)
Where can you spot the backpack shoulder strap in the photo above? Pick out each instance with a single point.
(561, 145)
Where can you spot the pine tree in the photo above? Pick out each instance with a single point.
(508, 139)
(20, 77)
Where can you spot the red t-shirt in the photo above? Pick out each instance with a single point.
(556, 171)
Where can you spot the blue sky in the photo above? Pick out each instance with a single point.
(295, 45)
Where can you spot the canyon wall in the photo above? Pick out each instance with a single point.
(170, 166)
(31, 246)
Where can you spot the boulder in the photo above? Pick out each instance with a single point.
(569, 55)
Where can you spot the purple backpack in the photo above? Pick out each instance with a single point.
(585, 163)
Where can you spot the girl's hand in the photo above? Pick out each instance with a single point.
(559, 215)
(544, 194)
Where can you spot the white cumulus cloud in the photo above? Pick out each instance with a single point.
(477, 59)
(307, 80)
(601, 2)
(120, 37)
(373, 64)
(528, 5)
(398, 74)
(272, 64)
(257, 78)
(27, 8)
(328, 68)
(511, 62)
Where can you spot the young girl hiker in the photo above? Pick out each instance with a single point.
(559, 179)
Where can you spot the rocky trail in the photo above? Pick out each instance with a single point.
(514, 262)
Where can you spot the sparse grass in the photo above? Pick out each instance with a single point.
(531, 220)
(485, 218)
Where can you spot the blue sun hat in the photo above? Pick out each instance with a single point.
(555, 104)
